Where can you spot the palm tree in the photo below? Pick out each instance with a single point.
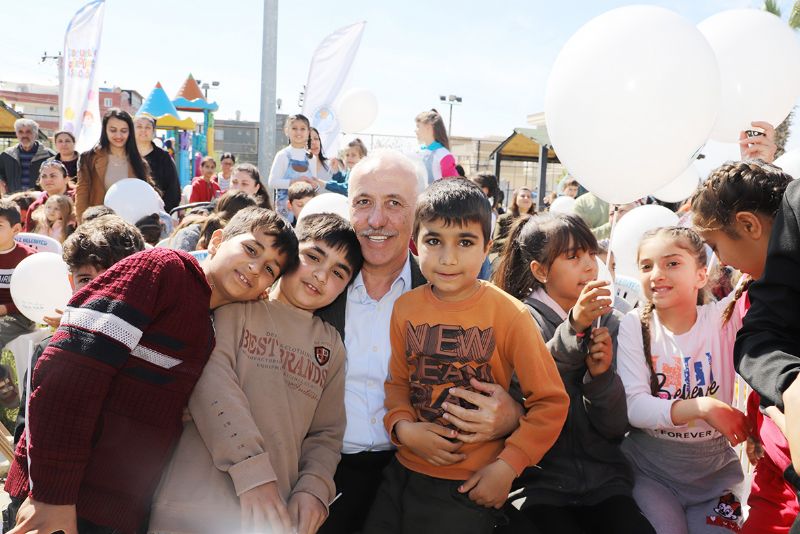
(782, 131)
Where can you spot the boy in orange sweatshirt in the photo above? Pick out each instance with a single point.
(453, 329)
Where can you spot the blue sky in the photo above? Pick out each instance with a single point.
(496, 55)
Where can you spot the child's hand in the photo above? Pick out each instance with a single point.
(34, 516)
(490, 486)
(334, 166)
(600, 352)
(728, 420)
(594, 301)
(55, 320)
(307, 512)
(427, 440)
(263, 510)
(3, 310)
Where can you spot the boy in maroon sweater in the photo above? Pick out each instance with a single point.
(12, 322)
(108, 393)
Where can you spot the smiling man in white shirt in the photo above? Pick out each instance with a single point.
(382, 193)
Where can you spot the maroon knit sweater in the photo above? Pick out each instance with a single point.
(108, 392)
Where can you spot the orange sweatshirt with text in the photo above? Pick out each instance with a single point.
(437, 345)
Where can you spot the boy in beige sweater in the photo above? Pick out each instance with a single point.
(268, 412)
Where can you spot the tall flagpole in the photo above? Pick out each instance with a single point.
(269, 59)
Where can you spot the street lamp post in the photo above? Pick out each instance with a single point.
(450, 99)
(205, 87)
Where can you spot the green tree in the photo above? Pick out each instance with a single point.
(782, 130)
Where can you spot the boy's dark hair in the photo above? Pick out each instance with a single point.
(101, 242)
(455, 201)
(300, 190)
(150, 227)
(334, 231)
(571, 182)
(23, 199)
(10, 211)
(233, 201)
(267, 222)
(489, 181)
(94, 212)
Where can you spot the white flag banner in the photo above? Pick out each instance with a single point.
(80, 107)
(329, 69)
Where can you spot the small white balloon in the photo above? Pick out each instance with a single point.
(327, 203)
(39, 285)
(740, 38)
(789, 162)
(681, 187)
(563, 204)
(658, 81)
(133, 199)
(357, 109)
(628, 233)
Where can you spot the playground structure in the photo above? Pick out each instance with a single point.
(190, 141)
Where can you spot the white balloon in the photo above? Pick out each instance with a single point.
(747, 39)
(642, 74)
(563, 204)
(39, 285)
(133, 199)
(327, 203)
(357, 110)
(790, 163)
(629, 230)
(681, 187)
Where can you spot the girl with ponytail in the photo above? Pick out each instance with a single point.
(583, 484)
(676, 363)
(733, 212)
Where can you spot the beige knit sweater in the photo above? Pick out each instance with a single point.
(269, 406)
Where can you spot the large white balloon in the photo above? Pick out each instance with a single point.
(327, 203)
(759, 64)
(629, 231)
(40, 284)
(643, 79)
(563, 204)
(681, 187)
(790, 163)
(133, 199)
(357, 110)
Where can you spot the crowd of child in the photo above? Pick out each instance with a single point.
(146, 414)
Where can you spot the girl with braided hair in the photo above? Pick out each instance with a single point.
(675, 359)
(733, 212)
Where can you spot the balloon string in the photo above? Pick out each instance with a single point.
(608, 252)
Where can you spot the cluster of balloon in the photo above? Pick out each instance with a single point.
(649, 82)
(656, 101)
(356, 110)
(40, 285)
(327, 203)
(133, 199)
(771, 95)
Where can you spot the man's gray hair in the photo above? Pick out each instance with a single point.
(414, 165)
(30, 123)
